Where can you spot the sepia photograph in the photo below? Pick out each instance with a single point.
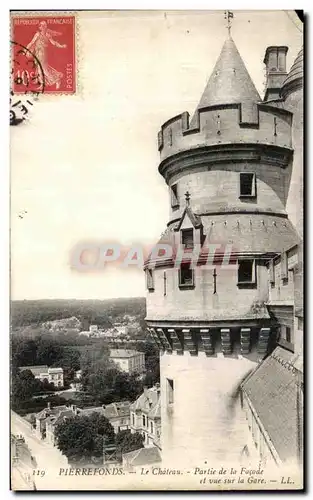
(156, 250)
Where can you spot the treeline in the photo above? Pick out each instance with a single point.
(27, 312)
(102, 381)
(43, 350)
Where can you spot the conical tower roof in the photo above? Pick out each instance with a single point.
(295, 74)
(230, 81)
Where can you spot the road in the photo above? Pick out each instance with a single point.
(48, 457)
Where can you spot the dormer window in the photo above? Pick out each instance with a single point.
(247, 185)
(186, 276)
(187, 238)
(174, 196)
(150, 280)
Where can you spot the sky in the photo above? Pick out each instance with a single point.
(85, 167)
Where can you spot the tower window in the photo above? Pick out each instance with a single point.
(174, 196)
(170, 391)
(284, 267)
(150, 280)
(186, 276)
(246, 272)
(187, 238)
(247, 185)
(272, 272)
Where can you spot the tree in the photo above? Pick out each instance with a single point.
(126, 441)
(24, 386)
(80, 438)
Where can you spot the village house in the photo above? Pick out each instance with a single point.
(43, 372)
(145, 416)
(47, 420)
(128, 361)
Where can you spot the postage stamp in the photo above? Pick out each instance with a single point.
(44, 54)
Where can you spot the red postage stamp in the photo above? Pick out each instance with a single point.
(44, 54)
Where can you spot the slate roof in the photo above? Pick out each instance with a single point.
(143, 456)
(229, 82)
(296, 71)
(247, 233)
(149, 402)
(112, 410)
(272, 390)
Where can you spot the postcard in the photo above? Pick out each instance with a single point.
(156, 250)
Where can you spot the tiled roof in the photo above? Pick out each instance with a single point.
(229, 82)
(123, 353)
(272, 390)
(143, 456)
(47, 412)
(148, 401)
(119, 409)
(62, 415)
(89, 411)
(36, 370)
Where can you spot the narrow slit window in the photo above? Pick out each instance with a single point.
(247, 185)
(170, 391)
(284, 266)
(288, 334)
(149, 280)
(186, 275)
(246, 271)
(187, 238)
(272, 272)
(174, 196)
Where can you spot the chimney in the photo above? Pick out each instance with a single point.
(49, 405)
(275, 62)
(145, 390)
(157, 386)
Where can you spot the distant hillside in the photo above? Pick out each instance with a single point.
(100, 312)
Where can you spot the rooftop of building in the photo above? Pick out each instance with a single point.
(272, 390)
(112, 410)
(149, 402)
(48, 412)
(143, 456)
(295, 73)
(36, 370)
(124, 353)
(229, 82)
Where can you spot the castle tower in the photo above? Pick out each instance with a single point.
(292, 93)
(227, 171)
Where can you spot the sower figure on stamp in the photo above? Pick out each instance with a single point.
(39, 47)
